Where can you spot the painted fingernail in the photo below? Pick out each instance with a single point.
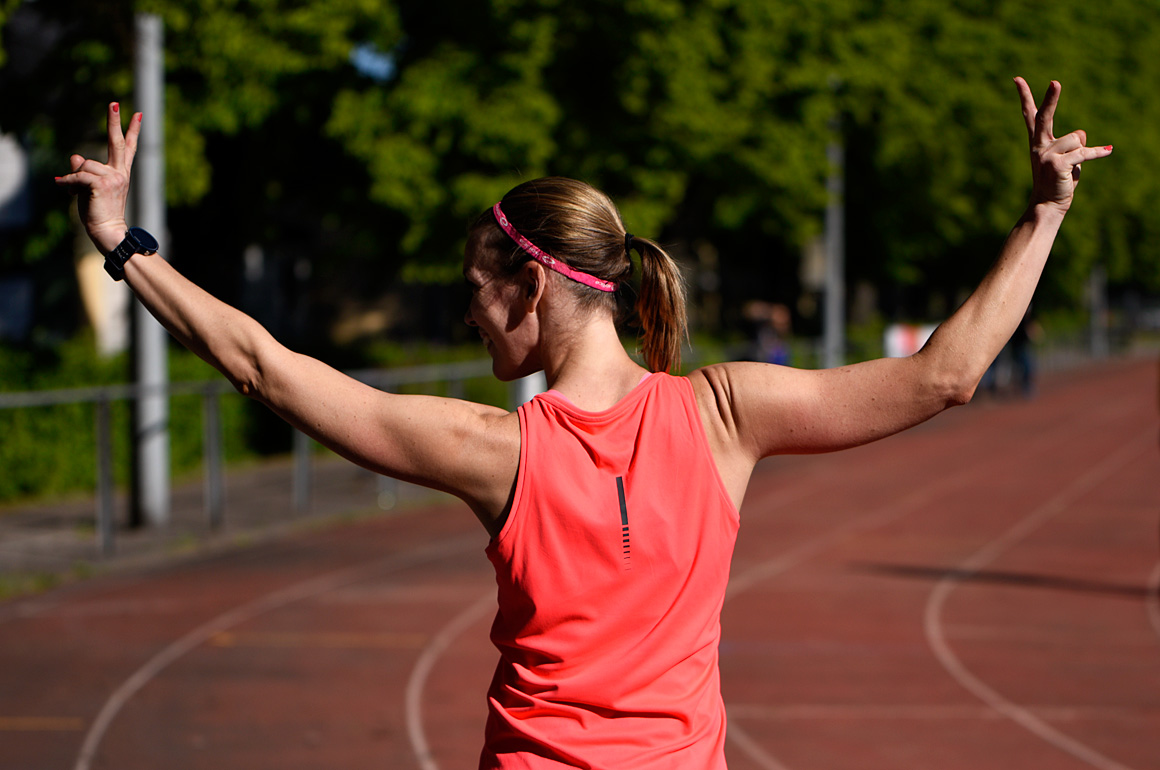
(1108, 148)
(116, 107)
(139, 116)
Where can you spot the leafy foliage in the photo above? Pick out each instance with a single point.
(707, 120)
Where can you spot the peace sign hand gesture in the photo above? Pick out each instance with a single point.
(1055, 163)
(102, 189)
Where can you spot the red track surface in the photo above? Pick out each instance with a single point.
(977, 593)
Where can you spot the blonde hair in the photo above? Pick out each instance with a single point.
(581, 226)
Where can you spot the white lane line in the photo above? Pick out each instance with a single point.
(932, 712)
(886, 514)
(751, 748)
(319, 641)
(773, 498)
(249, 611)
(477, 610)
(987, 554)
(880, 517)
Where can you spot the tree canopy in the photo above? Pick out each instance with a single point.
(359, 137)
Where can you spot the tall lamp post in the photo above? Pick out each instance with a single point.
(151, 495)
(834, 319)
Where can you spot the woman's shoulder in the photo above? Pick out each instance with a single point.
(718, 389)
(717, 381)
(489, 459)
(726, 392)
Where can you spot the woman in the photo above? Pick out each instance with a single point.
(612, 500)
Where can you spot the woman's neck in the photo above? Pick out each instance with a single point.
(588, 364)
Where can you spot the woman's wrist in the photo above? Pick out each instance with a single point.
(1046, 212)
(108, 237)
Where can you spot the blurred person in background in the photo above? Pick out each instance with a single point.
(771, 330)
(612, 500)
(1023, 341)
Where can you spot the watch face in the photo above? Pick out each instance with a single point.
(147, 243)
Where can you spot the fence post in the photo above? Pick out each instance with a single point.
(301, 485)
(105, 528)
(214, 488)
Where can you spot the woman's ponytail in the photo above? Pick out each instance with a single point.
(580, 226)
(660, 307)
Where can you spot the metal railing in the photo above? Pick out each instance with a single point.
(453, 375)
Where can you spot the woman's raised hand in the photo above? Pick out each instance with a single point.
(102, 189)
(1055, 163)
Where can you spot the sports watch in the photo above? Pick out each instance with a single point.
(136, 241)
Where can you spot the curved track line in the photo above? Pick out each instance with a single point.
(423, 667)
(248, 611)
(984, 556)
(746, 580)
(460, 623)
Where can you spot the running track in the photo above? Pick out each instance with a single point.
(980, 592)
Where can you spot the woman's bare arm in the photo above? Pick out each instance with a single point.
(467, 449)
(448, 444)
(756, 410)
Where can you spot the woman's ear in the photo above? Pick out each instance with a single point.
(535, 283)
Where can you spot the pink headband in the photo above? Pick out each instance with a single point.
(547, 260)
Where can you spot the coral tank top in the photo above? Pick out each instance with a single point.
(612, 568)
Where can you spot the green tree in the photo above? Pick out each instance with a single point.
(248, 86)
(707, 120)
(710, 120)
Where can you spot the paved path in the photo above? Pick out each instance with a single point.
(979, 593)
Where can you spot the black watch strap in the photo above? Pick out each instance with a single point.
(136, 241)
